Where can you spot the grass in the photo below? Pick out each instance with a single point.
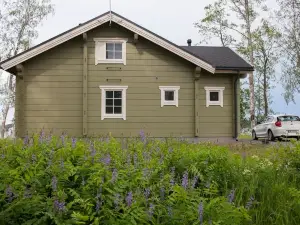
(60, 180)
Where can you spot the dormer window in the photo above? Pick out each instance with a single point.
(110, 50)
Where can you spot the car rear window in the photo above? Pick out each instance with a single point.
(289, 118)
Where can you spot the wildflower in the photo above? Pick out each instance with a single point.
(162, 194)
(73, 142)
(59, 206)
(33, 158)
(161, 175)
(129, 199)
(117, 199)
(147, 193)
(92, 150)
(9, 193)
(2, 156)
(107, 160)
(42, 135)
(62, 137)
(27, 193)
(200, 211)
(151, 210)
(145, 173)
(172, 182)
(98, 205)
(246, 172)
(135, 158)
(26, 140)
(207, 184)
(231, 196)
(83, 181)
(185, 180)
(142, 136)
(54, 183)
(114, 175)
(161, 159)
(250, 202)
(170, 150)
(194, 182)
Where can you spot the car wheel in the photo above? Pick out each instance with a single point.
(254, 137)
(270, 136)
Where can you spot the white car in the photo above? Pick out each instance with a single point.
(277, 126)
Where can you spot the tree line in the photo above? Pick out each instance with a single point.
(266, 37)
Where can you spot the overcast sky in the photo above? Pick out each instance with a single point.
(171, 19)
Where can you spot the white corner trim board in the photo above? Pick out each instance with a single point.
(220, 91)
(97, 22)
(105, 88)
(163, 101)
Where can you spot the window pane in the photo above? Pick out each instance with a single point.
(117, 94)
(109, 55)
(118, 55)
(214, 96)
(110, 46)
(109, 110)
(109, 102)
(169, 95)
(118, 102)
(118, 110)
(118, 47)
(109, 94)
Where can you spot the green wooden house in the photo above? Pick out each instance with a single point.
(110, 75)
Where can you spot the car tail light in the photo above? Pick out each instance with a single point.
(278, 123)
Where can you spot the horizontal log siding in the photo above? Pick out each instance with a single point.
(53, 87)
(147, 67)
(53, 84)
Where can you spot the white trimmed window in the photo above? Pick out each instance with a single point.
(113, 102)
(214, 96)
(169, 95)
(110, 50)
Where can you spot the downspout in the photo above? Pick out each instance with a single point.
(236, 106)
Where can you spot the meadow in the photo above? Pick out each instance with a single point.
(62, 180)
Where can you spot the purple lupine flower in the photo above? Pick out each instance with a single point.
(146, 156)
(117, 199)
(162, 193)
(27, 193)
(59, 206)
(249, 203)
(129, 199)
(107, 160)
(145, 173)
(170, 150)
(114, 175)
(194, 182)
(26, 140)
(151, 210)
(161, 175)
(147, 193)
(83, 181)
(2, 156)
(231, 196)
(185, 180)
(33, 158)
(128, 159)
(9, 193)
(200, 211)
(135, 158)
(49, 137)
(172, 182)
(62, 137)
(92, 150)
(142, 136)
(74, 142)
(54, 183)
(98, 205)
(41, 137)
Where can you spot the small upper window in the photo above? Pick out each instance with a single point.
(113, 102)
(214, 96)
(110, 50)
(169, 95)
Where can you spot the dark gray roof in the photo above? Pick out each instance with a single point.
(220, 57)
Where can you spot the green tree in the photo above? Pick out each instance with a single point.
(19, 21)
(288, 18)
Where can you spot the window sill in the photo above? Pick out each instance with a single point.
(169, 103)
(108, 116)
(214, 104)
(110, 62)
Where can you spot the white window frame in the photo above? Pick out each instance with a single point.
(162, 95)
(105, 88)
(100, 50)
(220, 90)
